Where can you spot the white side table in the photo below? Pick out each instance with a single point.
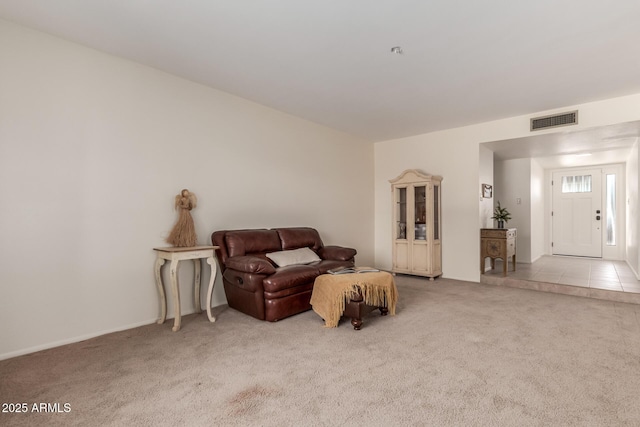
(175, 255)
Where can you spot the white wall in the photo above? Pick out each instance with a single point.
(633, 202)
(485, 177)
(538, 211)
(453, 154)
(94, 148)
(513, 184)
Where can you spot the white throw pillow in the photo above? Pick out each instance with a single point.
(294, 256)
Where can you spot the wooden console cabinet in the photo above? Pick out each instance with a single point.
(498, 243)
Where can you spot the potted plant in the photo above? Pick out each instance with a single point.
(501, 215)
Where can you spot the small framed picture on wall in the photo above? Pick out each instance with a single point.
(487, 191)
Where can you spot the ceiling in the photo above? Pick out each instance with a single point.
(330, 61)
(567, 148)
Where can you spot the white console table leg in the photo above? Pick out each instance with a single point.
(160, 285)
(196, 288)
(214, 270)
(176, 295)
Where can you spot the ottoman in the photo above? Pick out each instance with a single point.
(353, 295)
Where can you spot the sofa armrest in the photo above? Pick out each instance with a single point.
(250, 264)
(338, 253)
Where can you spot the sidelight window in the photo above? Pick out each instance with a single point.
(611, 210)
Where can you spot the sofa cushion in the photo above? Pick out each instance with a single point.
(337, 253)
(250, 264)
(290, 276)
(299, 237)
(293, 256)
(244, 242)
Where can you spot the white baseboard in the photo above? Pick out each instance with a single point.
(632, 269)
(74, 339)
(536, 259)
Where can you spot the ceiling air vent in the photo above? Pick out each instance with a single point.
(556, 120)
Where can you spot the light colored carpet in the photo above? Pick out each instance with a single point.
(456, 353)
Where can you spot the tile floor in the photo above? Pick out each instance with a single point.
(581, 272)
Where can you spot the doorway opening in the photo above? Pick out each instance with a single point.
(587, 213)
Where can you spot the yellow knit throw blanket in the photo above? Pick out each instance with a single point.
(330, 292)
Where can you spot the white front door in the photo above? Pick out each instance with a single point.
(577, 213)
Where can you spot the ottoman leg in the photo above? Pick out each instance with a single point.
(383, 311)
(357, 323)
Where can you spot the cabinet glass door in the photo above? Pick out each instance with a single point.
(436, 212)
(420, 211)
(401, 213)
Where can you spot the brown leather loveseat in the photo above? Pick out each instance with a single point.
(256, 285)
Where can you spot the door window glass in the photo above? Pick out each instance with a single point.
(401, 213)
(576, 184)
(436, 212)
(420, 211)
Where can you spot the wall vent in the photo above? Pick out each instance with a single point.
(555, 120)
